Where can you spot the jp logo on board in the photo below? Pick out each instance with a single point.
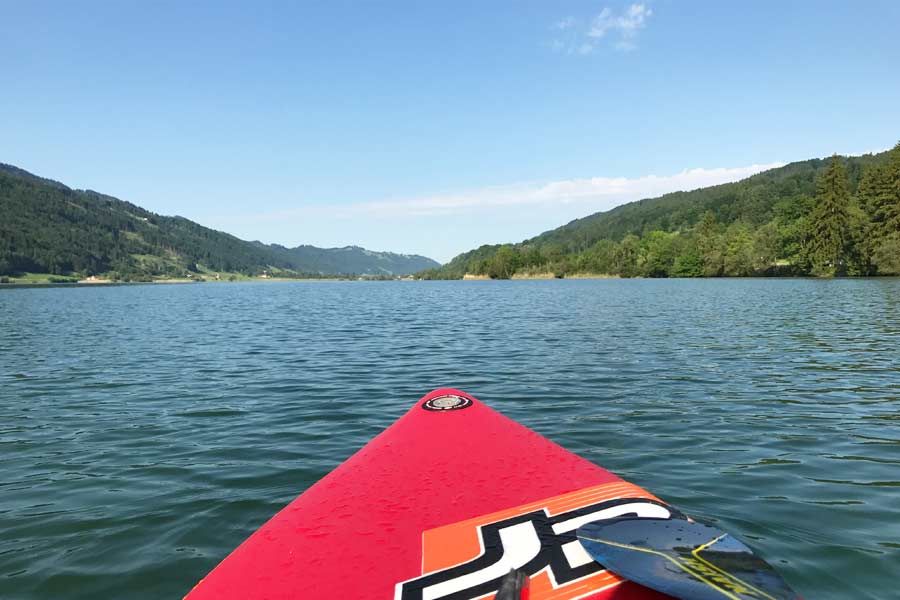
(447, 402)
(466, 560)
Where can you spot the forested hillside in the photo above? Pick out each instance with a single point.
(49, 228)
(826, 217)
(350, 259)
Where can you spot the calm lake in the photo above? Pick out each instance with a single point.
(145, 431)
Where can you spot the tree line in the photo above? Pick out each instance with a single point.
(839, 217)
(46, 227)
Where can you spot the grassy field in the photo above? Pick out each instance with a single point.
(203, 276)
(32, 278)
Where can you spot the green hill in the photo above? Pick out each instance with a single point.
(838, 216)
(349, 259)
(47, 227)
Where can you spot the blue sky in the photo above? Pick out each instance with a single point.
(433, 127)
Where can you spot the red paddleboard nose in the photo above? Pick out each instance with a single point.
(444, 399)
(443, 503)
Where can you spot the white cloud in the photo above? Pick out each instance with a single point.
(592, 194)
(601, 24)
(595, 193)
(634, 18)
(566, 23)
(465, 219)
(621, 28)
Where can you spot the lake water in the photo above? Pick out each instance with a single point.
(145, 431)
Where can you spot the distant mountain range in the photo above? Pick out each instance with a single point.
(834, 216)
(349, 259)
(47, 227)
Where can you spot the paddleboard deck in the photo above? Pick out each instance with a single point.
(439, 506)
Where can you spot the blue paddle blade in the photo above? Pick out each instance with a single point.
(684, 559)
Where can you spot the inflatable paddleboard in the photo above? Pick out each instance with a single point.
(440, 506)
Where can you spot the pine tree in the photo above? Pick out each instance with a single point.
(829, 222)
(879, 197)
(876, 197)
(892, 201)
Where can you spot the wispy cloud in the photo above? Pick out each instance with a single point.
(566, 23)
(590, 194)
(595, 193)
(626, 24)
(618, 29)
(465, 219)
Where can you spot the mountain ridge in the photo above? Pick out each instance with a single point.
(760, 225)
(48, 227)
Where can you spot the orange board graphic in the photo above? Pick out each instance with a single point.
(458, 543)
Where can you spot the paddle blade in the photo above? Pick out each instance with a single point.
(684, 559)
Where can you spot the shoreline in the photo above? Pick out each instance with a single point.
(23, 283)
(35, 283)
(542, 276)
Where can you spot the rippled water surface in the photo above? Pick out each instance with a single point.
(145, 431)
